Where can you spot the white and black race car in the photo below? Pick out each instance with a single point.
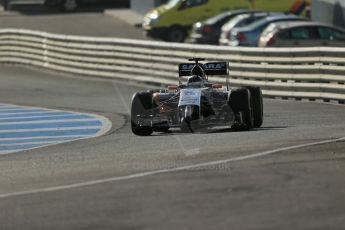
(197, 104)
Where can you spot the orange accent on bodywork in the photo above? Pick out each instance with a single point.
(217, 86)
(172, 87)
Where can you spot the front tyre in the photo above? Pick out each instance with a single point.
(257, 105)
(141, 110)
(240, 102)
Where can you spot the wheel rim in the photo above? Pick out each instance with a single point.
(70, 5)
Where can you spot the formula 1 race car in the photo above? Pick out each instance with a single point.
(197, 104)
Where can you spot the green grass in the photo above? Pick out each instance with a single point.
(274, 5)
(269, 5)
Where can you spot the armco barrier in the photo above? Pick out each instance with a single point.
(316, 73)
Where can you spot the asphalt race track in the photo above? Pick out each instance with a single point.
(289, 174)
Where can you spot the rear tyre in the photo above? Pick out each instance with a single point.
(141, 107)
(240, 103)
(257, 105)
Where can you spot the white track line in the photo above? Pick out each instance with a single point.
(106, 125)
(162, 171)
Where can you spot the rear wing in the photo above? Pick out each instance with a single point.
(211, 68)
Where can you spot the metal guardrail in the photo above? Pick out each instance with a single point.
(316, 73)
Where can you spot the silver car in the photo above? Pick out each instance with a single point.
(301, 34)
(239, 21)
(249, 35)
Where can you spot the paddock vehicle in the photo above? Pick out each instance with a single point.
(72, 5)
(197, 104)
(249, 35)
(208, 31)
(301, 34)
(173, 20)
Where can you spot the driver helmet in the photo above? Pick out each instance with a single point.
(199, 71)
(195, 81)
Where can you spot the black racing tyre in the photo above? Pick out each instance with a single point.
(257, 105)
(176, 34)
(69, 5)
(162, 129)
(142, 106)
(240, 102)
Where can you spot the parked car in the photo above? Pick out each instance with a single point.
(72, 5)
(208, 31)
(301, 34)
(249, 35)
(240, 21)
(173, 20)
